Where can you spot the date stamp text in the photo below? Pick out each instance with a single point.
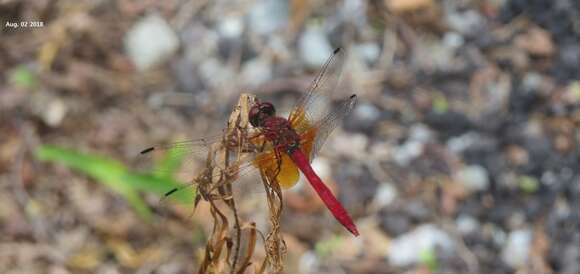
(24, 24)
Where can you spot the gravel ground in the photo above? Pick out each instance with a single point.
(461, 156)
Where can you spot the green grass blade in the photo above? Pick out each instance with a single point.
(160, 186)
(169, 164)
(105, 170)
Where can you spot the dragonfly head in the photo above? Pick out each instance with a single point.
(259, 112)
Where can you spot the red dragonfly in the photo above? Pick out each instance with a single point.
(294, 141)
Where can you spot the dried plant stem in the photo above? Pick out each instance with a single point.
(275, 245)
(215, 186)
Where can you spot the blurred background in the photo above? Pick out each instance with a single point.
(461, 156)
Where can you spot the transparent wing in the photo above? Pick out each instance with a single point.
(180, 158)
(186, 160)
(327, 124)
(315, 103)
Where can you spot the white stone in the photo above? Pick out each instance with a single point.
(55, 112)
(268, 15)
(367, 112)
(515, 252)
(407, 152)
(350, 145)
(314, 47)
(453, 40)
(466, 224)
(150, 41)
(406, 249)
(256, 72)
(368, 51)
(385, 195)
(474, 178)
(420, 133)
(231, 27)
(308, 262)
(464, 22)
(460, 143)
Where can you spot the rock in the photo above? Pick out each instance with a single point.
(407, 152)
(357, 185)
(571, 260)
(418, 210)
(256, 72)
(453, 40)
(215, 74)
(572, 95)
(200, 43)
(355, 11)
(466, 23)
(314, 47)
(515, 252)
(466, 224)
(351, 145)
(308, 262)
(461, 143)
(498, 236)
(394, 223)
(186, 75)
(405, 250)
(433, 55)
(231, 27)
(420, 133)
(385, 195)
(532, 81)
(268, 16)
(150, 41)
(365, 117)
(517, 155)
(569, 54)
(449, 123)
(380, 150)
(322, 167)
(55, 112)
(368, 51)
(474, 178)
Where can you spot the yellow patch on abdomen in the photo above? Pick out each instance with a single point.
(289, 173)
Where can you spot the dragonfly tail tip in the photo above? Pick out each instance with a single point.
(170, 192)
(354, 231)
(147, 150)
(336, 50)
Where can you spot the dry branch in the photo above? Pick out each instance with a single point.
(223, 252)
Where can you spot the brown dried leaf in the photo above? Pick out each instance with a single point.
(537, 42)
(401, 6)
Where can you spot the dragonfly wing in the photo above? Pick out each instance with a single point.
(318, 133)
(313, 105)
(171, 159)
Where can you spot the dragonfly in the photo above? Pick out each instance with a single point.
(293, 141)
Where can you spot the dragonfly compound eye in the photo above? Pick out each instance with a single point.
(268, 109)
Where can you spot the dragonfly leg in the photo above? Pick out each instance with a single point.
(278, 155)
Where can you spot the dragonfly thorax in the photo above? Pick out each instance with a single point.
(279, 131)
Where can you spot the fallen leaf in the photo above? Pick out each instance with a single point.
(401, 6)
(537, 42)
